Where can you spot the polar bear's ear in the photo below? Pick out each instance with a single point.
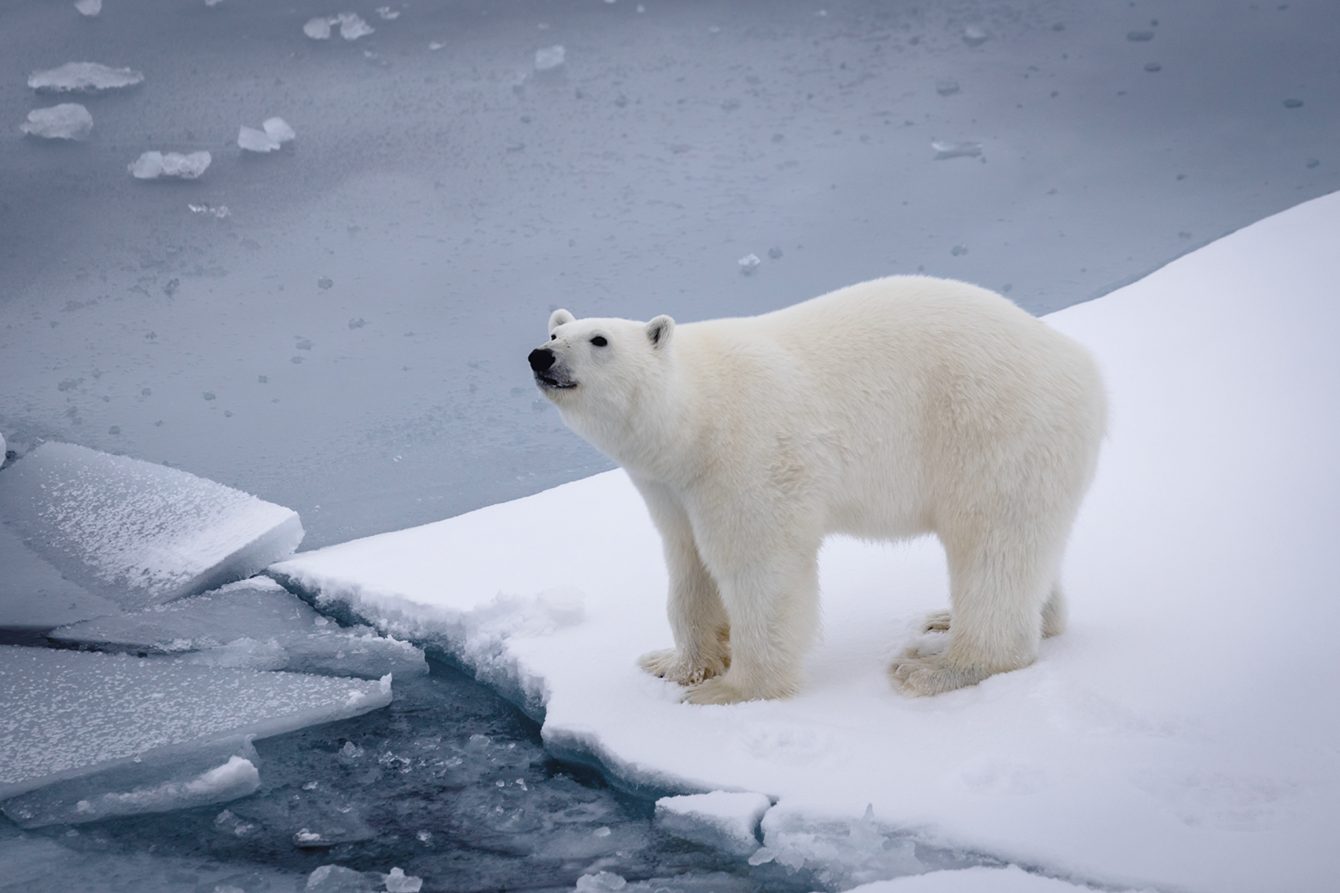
(558, 318)
(659, 331)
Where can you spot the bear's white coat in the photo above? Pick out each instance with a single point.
(890, 409)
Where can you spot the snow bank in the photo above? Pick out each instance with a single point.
(136, 533)
(67, 121)
(84, 77)
(253, 624)
(1180, 735)
(66, 714)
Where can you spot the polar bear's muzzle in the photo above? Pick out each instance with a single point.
(549, 374)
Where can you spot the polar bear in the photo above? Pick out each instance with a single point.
(899, 407)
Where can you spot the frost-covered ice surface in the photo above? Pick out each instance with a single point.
(84, 77)
(136, 533)
(154, 164)
(446, 203)
(253, 624)
(1179, 736)
(67, 121)
(64, 713)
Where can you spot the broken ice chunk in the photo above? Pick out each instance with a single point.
(152, 165)
(974, 36)
(749, 263)
(723, 820)
(89, 7)
(352, 26)
(67, 121)
(387, 13)
(317, 28)
(83, 77)
(549, 58)
(279, 130)
(276, 132)
(338, 879)
(137, 533)
(66, 714)
(947, 149)
(254, 624)
(399, 882)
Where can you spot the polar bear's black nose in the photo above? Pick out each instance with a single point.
(541, 358)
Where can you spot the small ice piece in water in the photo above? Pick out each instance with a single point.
(950, 149)
(946, 86)
(549, 58)
(435, 45)
(338, 879)
(84, 77)
(749, 263)
(274, 133)
(89, 7)
(279, 129)
(137, 533)
(603, 882)
(152, 165)
(219, 211)
(723, 820)
(398, 882)
(387, 13)
(974, 36)
(318, 28)
(67, 121)
(352, 26)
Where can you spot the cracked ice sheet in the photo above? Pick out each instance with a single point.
(64, 714)
(1179, 735)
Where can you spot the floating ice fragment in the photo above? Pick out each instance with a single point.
(83, 77)
(152, 165)
(352, 26)
(435, 45)
(137, 533)
(946, 86)
(338, 879)
(274, 134)
(387, 13)
(948, 149)
(398, 882)
(318, 28)
(219, 211)
(67, 121)
(89, 7)
(549, 58)
(603, 882)
(723, 820)
(278, 129)
(213, 2)
(974, 36)
(842, 853)
(749, 263)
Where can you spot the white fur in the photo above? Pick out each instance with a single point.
(886, 410)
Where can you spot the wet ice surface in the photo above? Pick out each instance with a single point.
(138, 533)
(446, 199)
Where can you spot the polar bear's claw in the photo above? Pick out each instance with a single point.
(918, 675)
(722, 690)
(936, 622)
(669, 665)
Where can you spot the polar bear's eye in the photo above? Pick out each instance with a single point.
(599, 341)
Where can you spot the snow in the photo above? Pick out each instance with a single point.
(724, 820)
(1180, 735)
(154, 164)
(67, 121)
(254, 624)
(65, 714)
(137, 533)
(84, 77)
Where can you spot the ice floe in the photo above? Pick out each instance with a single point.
(351, 25)
(84, 77)
(274, 133)
(67, 121)
(137, 533)
(152, 165)
(254, 624)
(1179, 736)
(67, 714)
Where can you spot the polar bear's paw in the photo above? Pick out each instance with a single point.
(724, 690)
(671, 665)
(936, 622)
(917, 674)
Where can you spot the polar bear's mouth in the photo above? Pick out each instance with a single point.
(545, 380)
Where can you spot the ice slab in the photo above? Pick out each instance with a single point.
(254, 624)
(66, 714)
(67, 121)
(724, 820)
(33, 594)
(84, 77)
(1180, 735)
(154, 164)
(274, 133)
(137, 533)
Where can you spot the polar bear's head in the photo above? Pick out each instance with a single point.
(604, 375)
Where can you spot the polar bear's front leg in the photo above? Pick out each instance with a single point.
(698, 620)
(774, 616)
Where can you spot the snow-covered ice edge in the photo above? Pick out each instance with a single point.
(1179, 736)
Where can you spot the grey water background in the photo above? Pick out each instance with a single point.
(350, 339)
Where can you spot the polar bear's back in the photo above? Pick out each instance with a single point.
(916, 391)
